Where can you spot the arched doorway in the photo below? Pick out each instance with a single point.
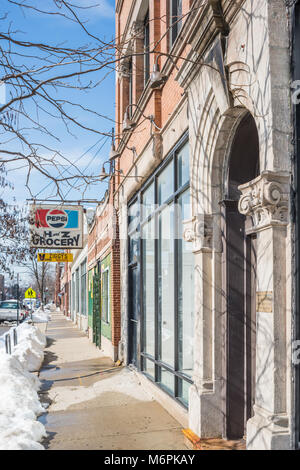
(240, 280)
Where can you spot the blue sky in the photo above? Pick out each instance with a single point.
(88, 149)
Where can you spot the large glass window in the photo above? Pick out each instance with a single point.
(175, 19)
(130, 88)
(166, 183)
(185, 289)
(73, 293)
(148, 200)
(83, 287)
(162, 332)
(77, 290)
(148, 282)
(146, 49)
(105, 295)
(166, 285)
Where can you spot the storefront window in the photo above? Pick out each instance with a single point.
(161, 323)
(73, 293)
(148, 201)
(149, 367)
(83, 288)
(166, 285)
(183, 165)
(167, 380)
(105, 295)
(77, 290)
(185, 296)
(148, 241)
(166, 183)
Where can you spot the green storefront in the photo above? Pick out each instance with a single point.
(90, 298)
(99, 301)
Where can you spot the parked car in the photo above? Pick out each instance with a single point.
(9, 309)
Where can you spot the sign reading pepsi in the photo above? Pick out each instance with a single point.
(56, 226)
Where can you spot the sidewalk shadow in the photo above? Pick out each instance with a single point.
(50, 341)
(45, 387)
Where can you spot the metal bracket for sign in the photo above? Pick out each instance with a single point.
(78, 202)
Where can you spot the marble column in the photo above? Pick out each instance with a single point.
(205, 409)
(265, 200)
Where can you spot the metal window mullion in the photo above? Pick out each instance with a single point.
(140, 305)
(176, 333)
(156, 257)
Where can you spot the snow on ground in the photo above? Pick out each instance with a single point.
(20, 404)
(123, 381)
(41, 316)
(30, 348)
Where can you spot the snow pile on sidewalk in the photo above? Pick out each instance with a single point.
(41, 316)
(30, 348)
(20, 404)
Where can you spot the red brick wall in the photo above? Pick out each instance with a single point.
(161, 104)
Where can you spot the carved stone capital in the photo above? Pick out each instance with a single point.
(265, 200)
(157, 146)
(123, 69)
(137, 30)
(199, 231)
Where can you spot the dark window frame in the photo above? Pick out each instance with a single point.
(130, 87)
(175, 21)
(146, 49)
(137, 199)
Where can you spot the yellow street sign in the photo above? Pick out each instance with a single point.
(30, 294)
(55, 257)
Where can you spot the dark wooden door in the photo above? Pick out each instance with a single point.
(240, 288)
(250, 358)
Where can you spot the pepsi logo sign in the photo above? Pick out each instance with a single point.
(57, 218)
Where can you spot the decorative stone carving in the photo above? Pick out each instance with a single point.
(265, 200)
(123, 69)
(199, 231)
(157, 146)
(137, 30)
(219, 17)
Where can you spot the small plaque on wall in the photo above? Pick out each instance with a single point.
(264, 302)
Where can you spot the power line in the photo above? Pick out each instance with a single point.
(90, 162)
(76, 161)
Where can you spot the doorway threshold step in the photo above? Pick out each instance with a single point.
(193, 442)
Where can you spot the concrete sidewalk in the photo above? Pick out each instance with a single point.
(95, 405)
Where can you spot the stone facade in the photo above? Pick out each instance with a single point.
(236, 61)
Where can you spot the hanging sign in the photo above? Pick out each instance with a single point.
(30, 294)
(54, 227)
(55, 257)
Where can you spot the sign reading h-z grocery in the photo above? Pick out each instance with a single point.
(56, 226)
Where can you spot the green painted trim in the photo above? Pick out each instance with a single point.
(106, 327)
(90, 297)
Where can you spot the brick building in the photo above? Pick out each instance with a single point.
(104, 277)
(204, 131)
(189, 257)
